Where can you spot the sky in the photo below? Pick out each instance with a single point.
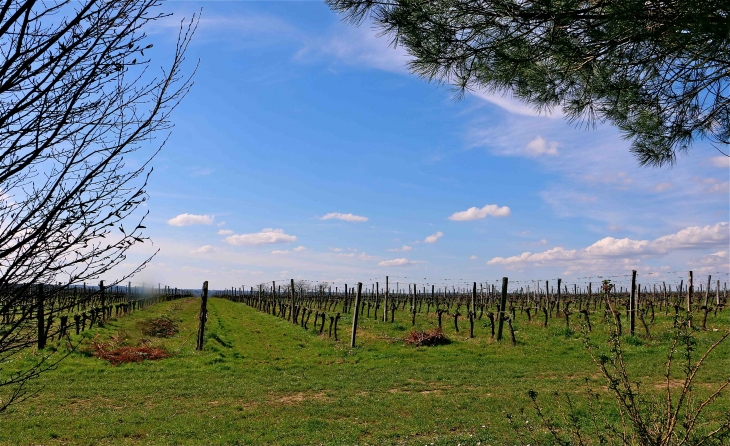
(306, 150)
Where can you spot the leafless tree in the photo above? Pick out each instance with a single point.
(77, 99)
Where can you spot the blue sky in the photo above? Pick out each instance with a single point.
(306, 150)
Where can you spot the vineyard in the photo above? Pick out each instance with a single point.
(275, 363)
(297, 301)
(46, 312)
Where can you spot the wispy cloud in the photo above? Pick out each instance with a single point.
(475, 213)
(344, 217)
(717, 261)
(204, 250)
(190, 219)
(721, 161)
(356, 46)
(396, 262)
(509, 103)
(201, 171)
(404, 248)
(267, 236)
(225, 232)
(714, 186)
(661, 187)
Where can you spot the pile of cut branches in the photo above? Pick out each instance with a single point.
(159, 327)
(116, 353)
(427, 338)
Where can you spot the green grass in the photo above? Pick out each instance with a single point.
(262, 380)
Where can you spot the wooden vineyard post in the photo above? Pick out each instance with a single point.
(474, 298)
(632, 303)
(291, 298)
(385, 302)
(354, 317)
(557, 298)
(707, 291)
(717, 294)
(377, 301)
(40, 308)
(413, 306)
(690, 291)
(203, 316)
(503, 303)
(103, 303)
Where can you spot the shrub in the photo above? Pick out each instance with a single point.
(676, 418)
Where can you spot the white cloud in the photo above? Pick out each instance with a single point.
(696, 237)
(221, 224)
(539, 146)
(204, 250)
(190, 219)
(473, 258)
(433, 238)
(279, 252)
(474, 213)
(336, 249)
(299, 249)
(691, 238)
(404, 248)
(396, 262)
(225, 232)
(720, 161)
(541, 242)
(344, 217)
(613, 247)
(267, 236)
(537, 258)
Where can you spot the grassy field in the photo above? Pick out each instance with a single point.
(262, 380)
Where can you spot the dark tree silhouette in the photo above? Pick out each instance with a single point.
(77, 98)
(657, 69)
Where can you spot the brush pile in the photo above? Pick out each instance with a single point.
(159, 327)
(116, 353)
(427, 338)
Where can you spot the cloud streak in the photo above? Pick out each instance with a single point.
(190, 219)
(396, 262)
(475, 213)
(267, 236)
(404, 248)
(344, 217)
